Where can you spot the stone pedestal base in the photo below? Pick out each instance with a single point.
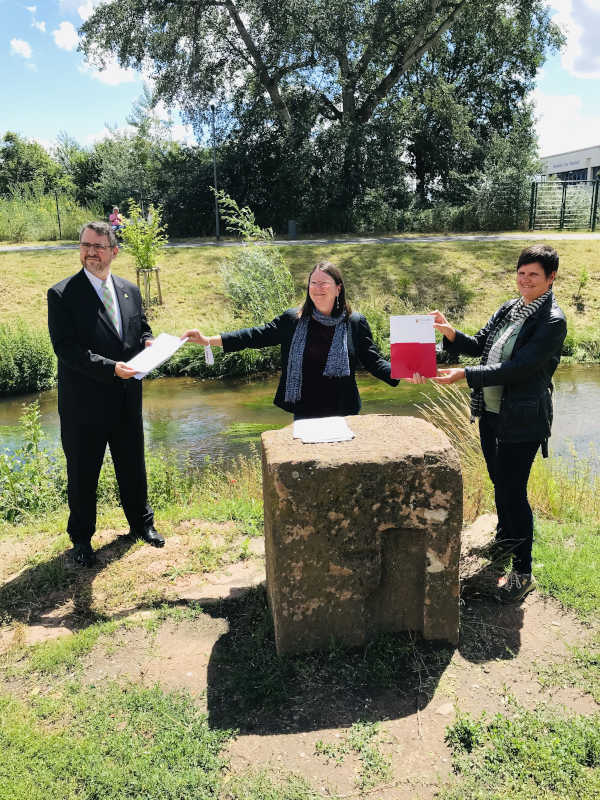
(362, 536)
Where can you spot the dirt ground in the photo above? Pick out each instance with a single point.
(499, 655)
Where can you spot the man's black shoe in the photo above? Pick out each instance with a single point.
(83, 555)
(149, 534)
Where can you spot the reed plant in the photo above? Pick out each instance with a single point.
(27, 214)
(559, 489)
(27, 363)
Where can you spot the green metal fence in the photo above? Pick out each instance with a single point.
(566, 205)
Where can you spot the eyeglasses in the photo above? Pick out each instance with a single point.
(89, 245)
(323, 285)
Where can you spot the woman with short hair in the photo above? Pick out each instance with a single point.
(321, 344)
(511, 395)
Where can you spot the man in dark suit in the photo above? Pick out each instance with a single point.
(96, 324)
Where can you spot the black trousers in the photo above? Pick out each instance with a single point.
(509, 465)
(84, 446)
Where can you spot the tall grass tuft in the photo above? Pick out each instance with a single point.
(31, 478)
(28, 363)
(558, 489)
(28, 214)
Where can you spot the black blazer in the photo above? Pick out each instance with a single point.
(526, 378)
(280, 332)
(88, 347)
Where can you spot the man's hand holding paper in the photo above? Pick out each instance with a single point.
(159, 351)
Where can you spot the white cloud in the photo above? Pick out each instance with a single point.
(108, 133)
(183, 133)
(564, 124)
(112, 74)
(580, 21)
(32, 9)
(87, 9)
(65, 36)
(20, 47)
(41, 26)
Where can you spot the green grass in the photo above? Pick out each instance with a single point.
(581, 669)
(87, 743)
(567, 564)
(437, 274)
(525, 755)
(363, 739)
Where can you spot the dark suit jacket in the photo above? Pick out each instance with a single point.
(281, 330)
(526, 377)
(88, 347)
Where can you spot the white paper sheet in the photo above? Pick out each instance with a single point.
(322, 429)
(161, 350)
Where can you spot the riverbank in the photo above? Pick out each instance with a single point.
(139, 663)
(469, 278)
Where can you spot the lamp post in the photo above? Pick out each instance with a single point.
(214, 155)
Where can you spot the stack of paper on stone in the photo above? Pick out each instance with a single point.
(322, 429)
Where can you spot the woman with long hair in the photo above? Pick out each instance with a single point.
(321, 343)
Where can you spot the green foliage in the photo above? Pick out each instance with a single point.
(578, 300)
(569, 556)
(344, 138)
(30, 477)
(527, 755)
(33, 482)
(240, 220)
(28, 363)
(257, 280)
(25, 162)
(27, 214)
(106, 743)
(145, 237)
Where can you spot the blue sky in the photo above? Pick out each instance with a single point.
(47, 87)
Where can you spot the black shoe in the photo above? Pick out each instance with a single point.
(512, 588)
(149, 534)
(83, 555)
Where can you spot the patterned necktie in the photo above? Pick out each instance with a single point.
(109, 305)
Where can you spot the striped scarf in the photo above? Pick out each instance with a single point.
(338, 363)
(492, 350)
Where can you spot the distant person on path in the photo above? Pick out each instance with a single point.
(97, 323)
(116, 220)
(321, 344)
(511, 394)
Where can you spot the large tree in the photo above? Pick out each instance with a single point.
(332, 66)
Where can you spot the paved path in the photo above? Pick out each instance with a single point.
(451, 237)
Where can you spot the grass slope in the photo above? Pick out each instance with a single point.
(427, 274)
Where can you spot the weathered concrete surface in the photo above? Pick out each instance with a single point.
(362, 536)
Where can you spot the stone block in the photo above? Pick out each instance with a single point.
(363, 536)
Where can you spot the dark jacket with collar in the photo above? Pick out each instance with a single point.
(526, 405)
(280, 332)
(88, 346)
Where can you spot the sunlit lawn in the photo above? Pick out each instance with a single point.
(193, 289)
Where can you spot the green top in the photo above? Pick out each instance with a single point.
(492, 395)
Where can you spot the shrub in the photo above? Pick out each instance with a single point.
(31, 479)
(28, 363)
(144, 238)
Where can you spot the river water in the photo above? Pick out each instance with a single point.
(222, 418)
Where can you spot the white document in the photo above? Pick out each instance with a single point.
(208, 355)
(322, 429)
(161, 350)
(417, 328)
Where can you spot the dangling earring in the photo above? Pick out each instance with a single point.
(337, 303)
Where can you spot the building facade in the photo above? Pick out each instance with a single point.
(576, 165)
